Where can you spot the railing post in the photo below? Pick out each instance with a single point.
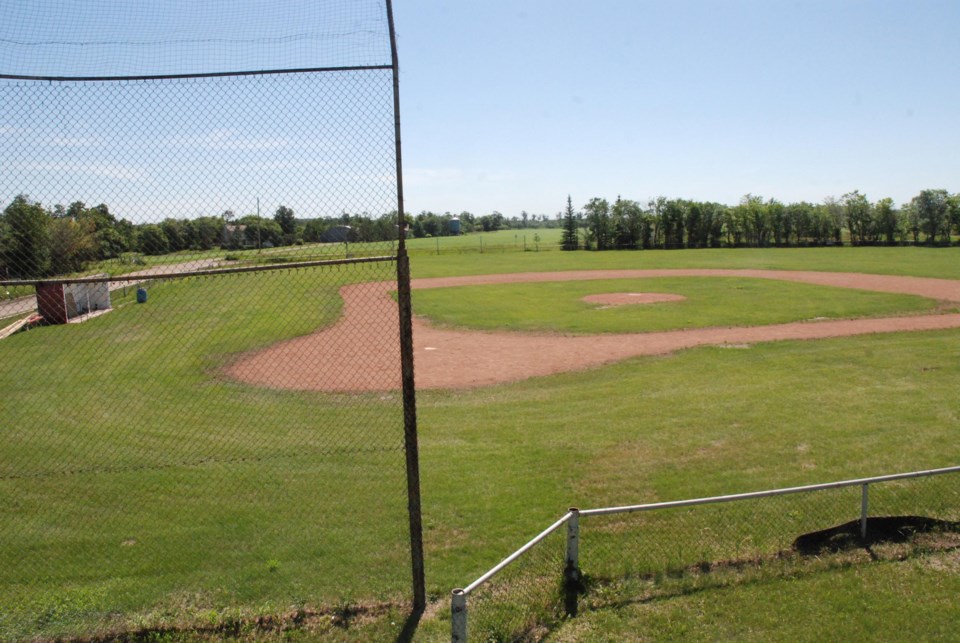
(458, 616)
(864, 502)
(571, 572)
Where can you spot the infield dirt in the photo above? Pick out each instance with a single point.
(341, 358)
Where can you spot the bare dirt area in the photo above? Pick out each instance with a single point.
(342, 357)
(608, 299)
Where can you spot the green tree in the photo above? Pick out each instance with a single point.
(205, 232)
(177, 234)
(832, 215)
(4, 244)
(468, 222)
(859, 217)
(778, 221)
(654, 217)
(627, 220)
(109, 241)
(313, 230)
(570, 239)
(756, 222)
(673, 217)
(597, 213)
(953, 204)
(26, 250)
(286, 220)
(797, 217)
(491, 222)
(886, 220)
(713, 216)
(262, 233)
(72, 244)
(734, 226)
(152, 240)
(932, 209)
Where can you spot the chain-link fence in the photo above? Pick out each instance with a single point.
(601, 557)
(523, 598)
(199, 420)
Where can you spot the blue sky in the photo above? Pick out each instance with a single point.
(505, 105)
(510, 106)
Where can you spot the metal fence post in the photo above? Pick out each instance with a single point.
(408, 386)
(864, 502)
(571, 572)
(458, 616)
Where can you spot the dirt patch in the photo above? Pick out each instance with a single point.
(626, 298)
(341, 358)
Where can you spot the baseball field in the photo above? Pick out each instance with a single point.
(546, 380)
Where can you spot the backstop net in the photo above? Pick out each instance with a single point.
(200, 371)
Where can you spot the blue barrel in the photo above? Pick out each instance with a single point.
(141, 296)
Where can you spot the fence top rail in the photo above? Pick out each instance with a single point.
(766, 494)
(219, 74)
(515, 555)
(133, 277)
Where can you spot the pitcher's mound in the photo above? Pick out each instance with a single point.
(623, 298)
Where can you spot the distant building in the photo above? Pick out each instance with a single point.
(233, 235)
(337, 234)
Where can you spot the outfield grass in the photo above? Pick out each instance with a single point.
(892, 600)
(135, 478)
(713, 301)
(913, 261)
(138, 487)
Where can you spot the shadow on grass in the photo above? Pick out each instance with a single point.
(410, 626)
(888, 538)
(879, 530)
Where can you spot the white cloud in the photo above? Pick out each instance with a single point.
(105, 170)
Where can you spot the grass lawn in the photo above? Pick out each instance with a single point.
(713, 301)
(914, 261)
(891, 600)
(140, 488)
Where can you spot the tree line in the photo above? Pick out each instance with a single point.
(931, 218)
(37, 242)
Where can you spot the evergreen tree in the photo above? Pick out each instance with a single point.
(571, 237)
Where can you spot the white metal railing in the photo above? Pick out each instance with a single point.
(458, 601)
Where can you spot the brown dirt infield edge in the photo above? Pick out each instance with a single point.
(342, 358)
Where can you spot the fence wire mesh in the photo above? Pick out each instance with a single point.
(718, 543)
(668, 551)
(111, 38)
(210, 421)
(525, 600)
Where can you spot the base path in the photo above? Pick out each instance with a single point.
(342, 357)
